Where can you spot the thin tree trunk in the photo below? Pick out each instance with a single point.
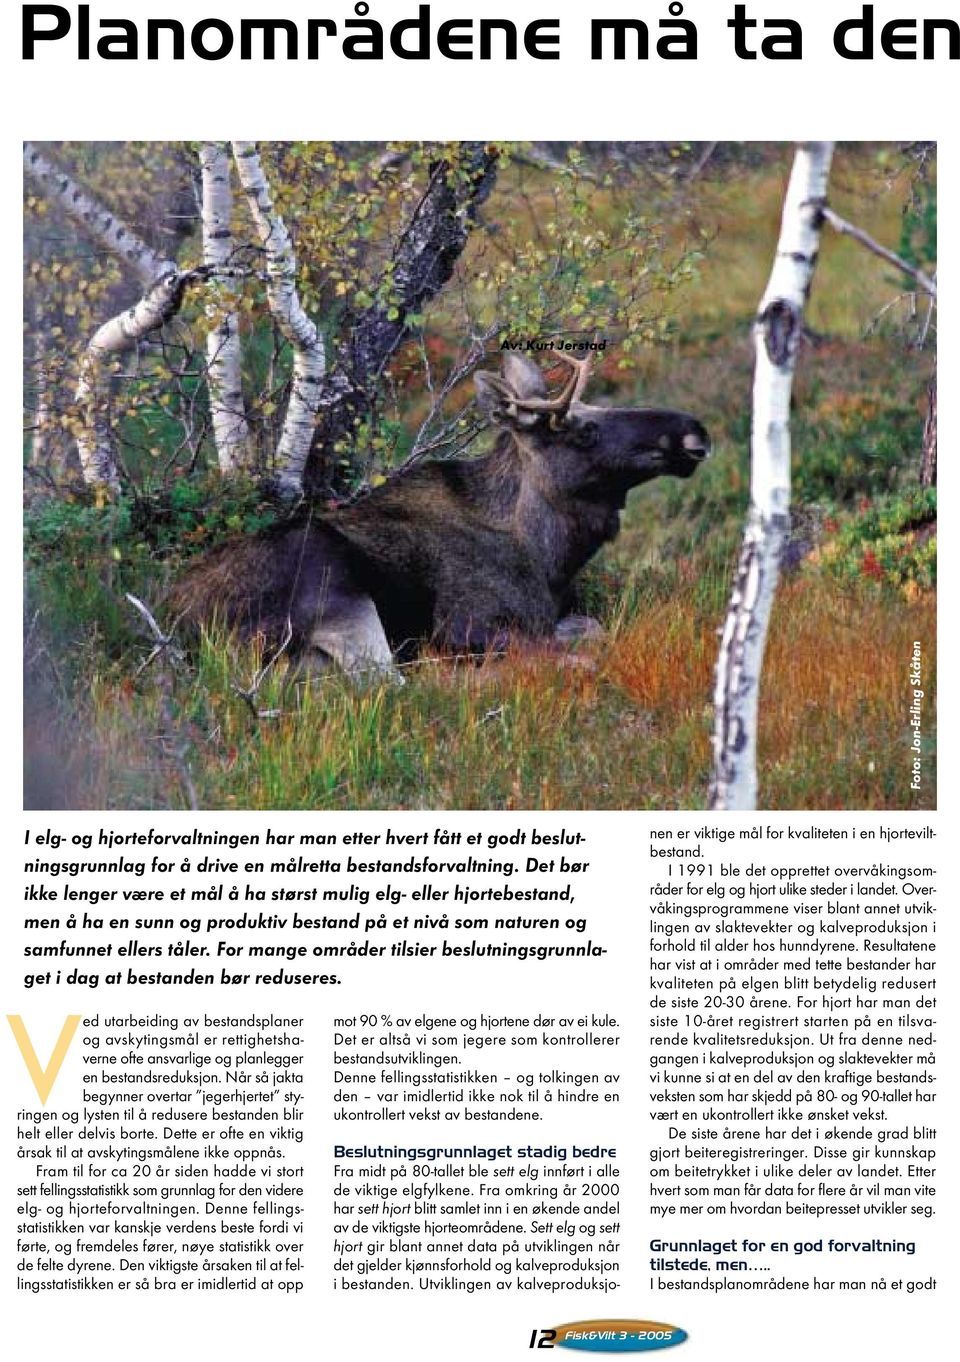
(928, 460)
(163, 284)
(100, 224)
(41, 410)
(776, 336)
(95, 443)
(309, 359)
(231, 434)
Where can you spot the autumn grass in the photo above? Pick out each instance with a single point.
(622, 724)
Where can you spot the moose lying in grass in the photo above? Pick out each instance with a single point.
(461, 554)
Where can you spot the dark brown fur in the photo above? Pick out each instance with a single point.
(457, 553)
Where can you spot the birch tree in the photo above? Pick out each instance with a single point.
(163, 283)
(306, 341)
(231, 434)
(777, 332)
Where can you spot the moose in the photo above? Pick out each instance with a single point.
(462, 554)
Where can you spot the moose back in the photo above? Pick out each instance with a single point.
(462, 553)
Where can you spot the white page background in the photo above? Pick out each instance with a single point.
(718, 97)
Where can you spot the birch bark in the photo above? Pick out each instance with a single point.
(41, 411)
(309, 359)
(163, 284)
(121, 333)
(115, 235)
(928, 462)
(231, 433)
(776, 337)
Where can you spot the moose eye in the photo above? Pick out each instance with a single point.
(588, 434)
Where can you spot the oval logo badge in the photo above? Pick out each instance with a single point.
(618, 1335)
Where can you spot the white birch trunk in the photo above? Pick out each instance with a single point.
(776, 336)
(114, 338)
(116, 236)
(163, 283)
(309, 360)
(231, 433)
(41, 413)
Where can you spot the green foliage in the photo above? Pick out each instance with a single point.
(580, 259)
(171, 525)
(918, 230)
(852, 446)
(81, 559)
(891, 544)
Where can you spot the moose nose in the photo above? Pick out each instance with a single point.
(697, 446)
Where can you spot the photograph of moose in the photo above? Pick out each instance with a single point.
(414, 475)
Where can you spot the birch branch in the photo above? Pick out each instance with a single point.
(231, 433)
(777, 332)
(846, 228)
(100, 224)
(175, 745)
(158, 305)
(309, 358)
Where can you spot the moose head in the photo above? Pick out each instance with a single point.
(593, 451)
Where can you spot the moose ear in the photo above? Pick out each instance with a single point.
(493, 395)
(523, 376)
(498, 401)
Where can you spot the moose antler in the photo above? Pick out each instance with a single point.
(580, 373)
(569, 393)
(518, 396)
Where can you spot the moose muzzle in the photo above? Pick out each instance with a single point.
(697, 446)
